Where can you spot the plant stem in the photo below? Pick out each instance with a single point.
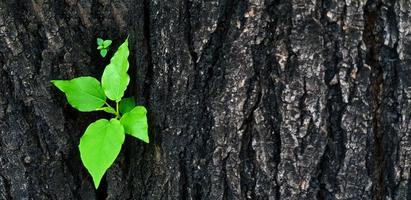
(108, 105)
(117, 112)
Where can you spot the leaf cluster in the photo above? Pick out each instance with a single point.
(102, 141)
(103, 46)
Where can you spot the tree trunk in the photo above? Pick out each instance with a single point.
(273, 99)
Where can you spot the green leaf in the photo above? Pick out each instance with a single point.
(115, 78)
(99, 41)
(127, 104)
(100, 146)
(100, 47)
(103, 52)
(83, 93)
(108, 110)
(107, 43)
(135, 123)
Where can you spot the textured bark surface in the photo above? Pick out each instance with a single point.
(256, 99)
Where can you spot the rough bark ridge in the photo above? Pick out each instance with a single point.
(256, 99)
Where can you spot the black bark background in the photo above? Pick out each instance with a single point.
(256, 99)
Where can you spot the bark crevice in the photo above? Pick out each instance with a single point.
(373, 42)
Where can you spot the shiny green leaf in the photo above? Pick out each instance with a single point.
(83, 93)
(135, 123)
(100, 146)
(115, 78)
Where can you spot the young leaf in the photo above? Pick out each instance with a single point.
(127, 104)
(103, 52)
(135, 123)
(99, 41)
(100, 47)
(100, 146)
(115, 78)
(83, 93)
(107, 43)
(108, 110)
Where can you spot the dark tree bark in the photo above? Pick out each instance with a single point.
(257, 99)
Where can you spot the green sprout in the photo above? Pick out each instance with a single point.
(103, 46)
(103, 139)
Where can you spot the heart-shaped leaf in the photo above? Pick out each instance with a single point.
(100, 146)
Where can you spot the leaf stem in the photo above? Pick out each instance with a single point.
(108, 105)
(117, 111)
(117, 114)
